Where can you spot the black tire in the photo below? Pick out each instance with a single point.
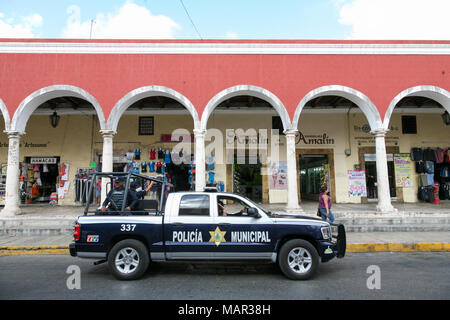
(305, 252)
(132, 259)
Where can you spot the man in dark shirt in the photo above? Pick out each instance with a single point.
(115, 198)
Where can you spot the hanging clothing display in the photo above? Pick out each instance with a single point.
(420, 167)
(417, 154)
(137, 154)
(429, 166)
(429, 155)
(144, 167)
(210, 163)
(439, 155)
(211, 177)
(158, 167)
(167, 157)
(152, 154)
(160, 154)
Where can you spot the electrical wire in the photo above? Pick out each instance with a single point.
(193, 24)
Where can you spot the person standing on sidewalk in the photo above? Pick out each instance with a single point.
(325, 204)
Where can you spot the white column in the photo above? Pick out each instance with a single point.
(107, 157)
(200, 179)
(384, 196)
(12, 176)
(292, 197)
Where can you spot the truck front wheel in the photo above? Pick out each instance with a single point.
(128, 259)
(298, 259)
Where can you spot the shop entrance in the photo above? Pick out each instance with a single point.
(371, 176)
(313, 175)
(39, 179)
(247, 179)
(316, 168)
(367, 159)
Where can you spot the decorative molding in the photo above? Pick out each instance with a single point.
(432, 92)
(361, 100)
(5, 114)
(163, 47)
(247, 90)
(145, 92)
(34, 100)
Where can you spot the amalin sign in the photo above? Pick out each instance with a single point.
(314, 139)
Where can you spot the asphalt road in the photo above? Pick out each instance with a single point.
(416, 275)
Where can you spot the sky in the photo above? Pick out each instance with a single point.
(226, 19)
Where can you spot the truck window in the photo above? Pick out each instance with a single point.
(231, 206)
(194, 205)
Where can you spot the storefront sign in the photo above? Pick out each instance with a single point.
(43, 160)
(26, 145)
(278, 175)
(314, 139)
(372, 157)
(403, 169)
(357, 183)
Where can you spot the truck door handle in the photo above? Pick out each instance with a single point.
(224, 224)
(178, 224)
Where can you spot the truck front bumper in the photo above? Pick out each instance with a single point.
(330, 249)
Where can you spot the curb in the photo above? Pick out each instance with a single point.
(352, 247)
(399, 247)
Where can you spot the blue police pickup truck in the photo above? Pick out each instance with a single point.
(200, 226)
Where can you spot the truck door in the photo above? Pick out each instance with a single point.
(246, 237)
(187, 228)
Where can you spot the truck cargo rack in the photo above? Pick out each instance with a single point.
(128, 175)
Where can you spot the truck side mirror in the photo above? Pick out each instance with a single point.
(253, 212)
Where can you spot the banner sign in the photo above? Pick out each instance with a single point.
(357, 183)
(403, 167)
(278, 175)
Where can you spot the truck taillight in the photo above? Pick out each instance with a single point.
(76, 233)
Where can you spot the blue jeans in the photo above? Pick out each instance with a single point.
(323, 213)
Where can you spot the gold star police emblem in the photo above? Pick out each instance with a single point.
(217, 236)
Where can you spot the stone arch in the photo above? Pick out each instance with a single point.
(432, 92)
(34, 100)
(250, 91)
(145, 92)
(5, 114)
(361, 100)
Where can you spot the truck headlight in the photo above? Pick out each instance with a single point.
(326, 233)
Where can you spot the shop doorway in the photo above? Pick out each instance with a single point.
(246, 177)
(39, 179)
(315, 168)
(313, 174)
(371, 176)
(367, 159)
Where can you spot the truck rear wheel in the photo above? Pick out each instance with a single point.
(128, 259)
(298, 259)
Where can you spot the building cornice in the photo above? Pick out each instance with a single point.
(223, 47)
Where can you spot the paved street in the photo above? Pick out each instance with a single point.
(416, 275)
